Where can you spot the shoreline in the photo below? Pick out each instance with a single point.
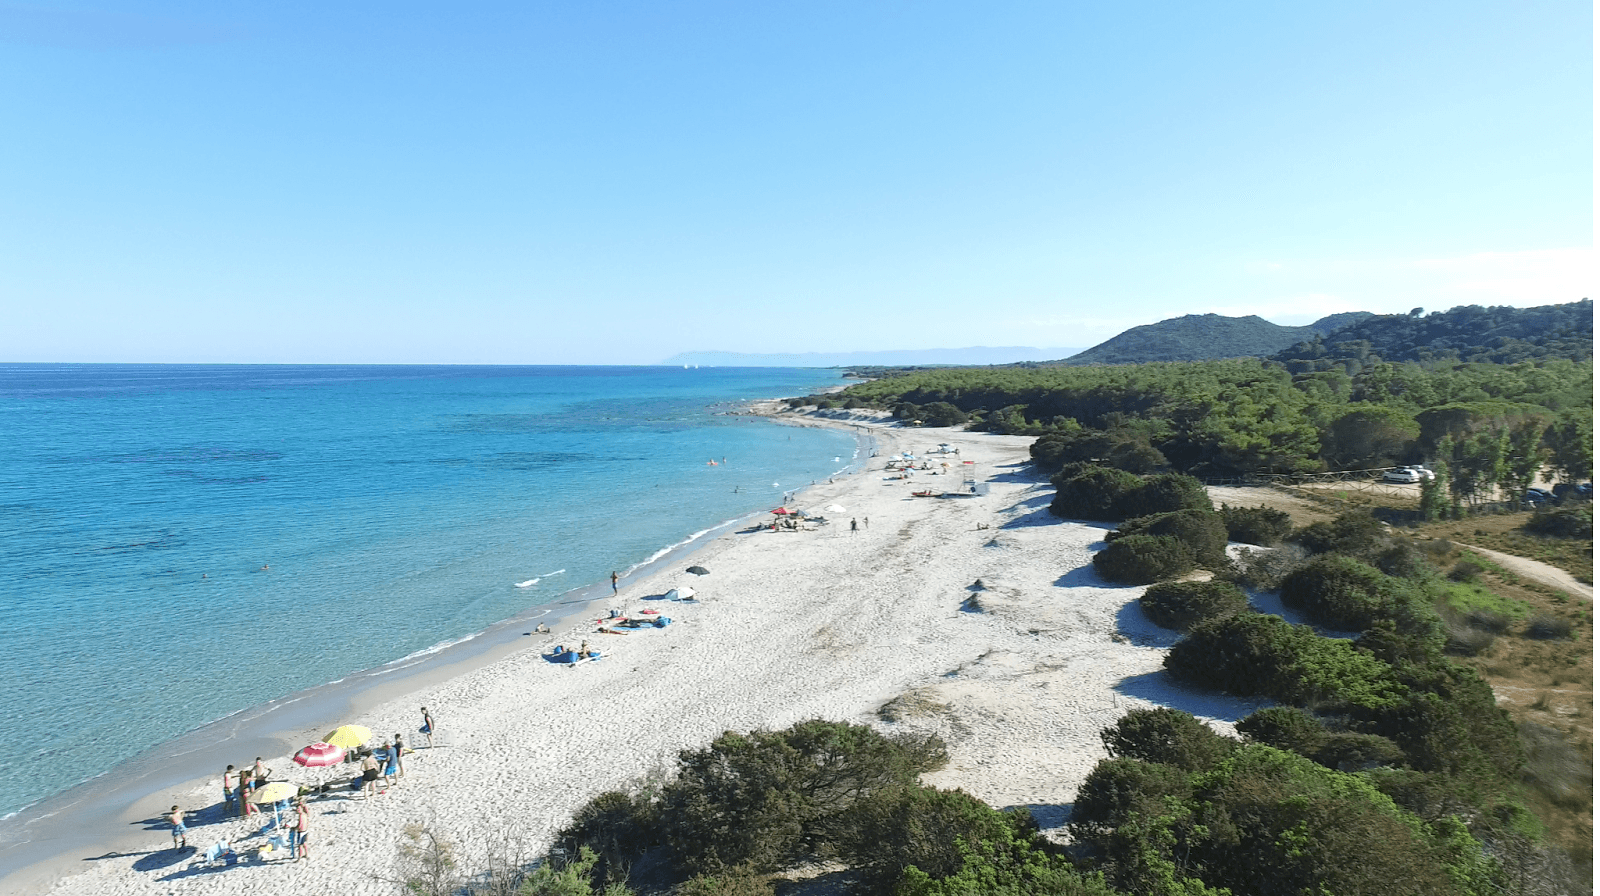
(870, 626)
(35, 840)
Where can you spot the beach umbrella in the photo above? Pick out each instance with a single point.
(348, 736)
(783, 511)
(834, 508)
(320, 755)
(699, 570)
(274, 792)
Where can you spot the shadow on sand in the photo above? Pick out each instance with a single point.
(1136, 627)
(1083, 577)
(1164, 690)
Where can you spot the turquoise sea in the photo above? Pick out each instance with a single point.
(183, 542)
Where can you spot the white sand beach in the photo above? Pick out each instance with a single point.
(823, 622)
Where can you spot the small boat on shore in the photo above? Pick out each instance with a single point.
(570, 656)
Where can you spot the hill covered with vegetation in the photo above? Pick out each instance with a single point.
(1469, 333)
(1197, 337)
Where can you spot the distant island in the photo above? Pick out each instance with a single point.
(942, 357)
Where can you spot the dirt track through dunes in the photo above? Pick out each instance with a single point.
(1537, 571)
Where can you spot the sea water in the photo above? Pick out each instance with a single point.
(182, 542)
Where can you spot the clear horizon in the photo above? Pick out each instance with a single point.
(356, 183)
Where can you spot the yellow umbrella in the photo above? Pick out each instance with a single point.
(348, 736)
(273, 792)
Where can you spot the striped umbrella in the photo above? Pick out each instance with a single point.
(320, 755)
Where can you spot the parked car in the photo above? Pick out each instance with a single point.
(1537, 496)
(1412, 473)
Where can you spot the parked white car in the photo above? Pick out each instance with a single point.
(1412, 473)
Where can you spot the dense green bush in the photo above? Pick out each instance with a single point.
(1344, 593)
(928, 828)
(1351, 751)
(1089, 492)
(1254, 654)
(1166, 492)
(1168, 736)
(1256, 525)
(760, 800)
(1565, 521)
(1093, 492)
(1354, 533)
(1120, 790)
(1142, 559)
(1202, 530)
(1183, 605)
(1264, 821)
(1285, 727)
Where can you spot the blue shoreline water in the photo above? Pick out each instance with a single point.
(397, 509)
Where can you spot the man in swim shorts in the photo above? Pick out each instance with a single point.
(180, 831)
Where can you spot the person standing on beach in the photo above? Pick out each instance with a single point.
(261, 772)
(246, 808)
(180, 832)
(369, 775)
(302, 827)
(866, 522)
(427, 726)
(228, 796)
(395, 769)
(852, 524)
(613, 581)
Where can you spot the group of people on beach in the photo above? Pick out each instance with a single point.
(239, 786)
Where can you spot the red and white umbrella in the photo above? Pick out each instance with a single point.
(319, 755)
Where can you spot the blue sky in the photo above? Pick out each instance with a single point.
(614, 182)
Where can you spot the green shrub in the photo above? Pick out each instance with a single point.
(1089, 492)
(1202, 530)
(1354, 533)
(925, 827)
(1564, 521)
(1352, 751)
(767, 798)
(1256, 525)
(1164, 493)
(1342, 592)
(1142, 559)
(1183, 605)
(1285, 727)
(740, 881)
(1120, 790)
(1168, 736)
(1251, 653)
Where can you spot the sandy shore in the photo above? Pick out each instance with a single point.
(793, 625)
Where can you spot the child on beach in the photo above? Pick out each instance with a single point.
(180, 832)
(427, 726)
(302, 828)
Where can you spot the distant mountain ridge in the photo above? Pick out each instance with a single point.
(974, 355)
(1202, 337)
